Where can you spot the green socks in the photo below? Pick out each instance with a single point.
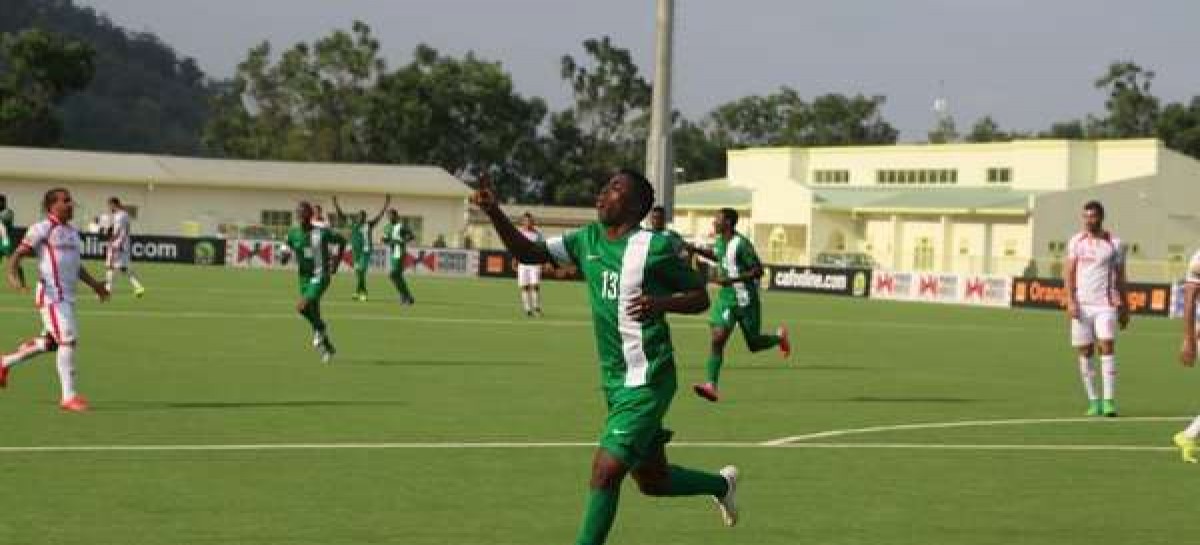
(713, 368)
(759, 342)
(362, 282)
(689, 482)
(599, 517)
(313, 315)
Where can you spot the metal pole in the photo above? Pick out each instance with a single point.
(660, 167)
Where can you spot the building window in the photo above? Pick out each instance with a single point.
(831, 176)
(132, 209)
(999, 175)
(927, 176)
(276, 218)
(923, 255)
(415, 224)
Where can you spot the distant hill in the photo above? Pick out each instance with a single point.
(144, 98)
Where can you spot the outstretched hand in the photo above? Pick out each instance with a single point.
(485, 196)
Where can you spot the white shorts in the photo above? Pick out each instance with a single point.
(529, 275)
(1094, 323)
(58, 319)
(117, 259)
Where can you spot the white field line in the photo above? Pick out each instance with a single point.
(795, 439)
(565, 444)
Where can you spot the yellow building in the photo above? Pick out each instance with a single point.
(207, 197)
(995, 208)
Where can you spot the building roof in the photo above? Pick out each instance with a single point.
(95, 167)
(711, 194)
(940, 200)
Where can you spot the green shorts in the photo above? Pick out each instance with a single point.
(634, 429)
(727, 315)
(397, 266)
(312, 288)
(6, 249)
(362, 261)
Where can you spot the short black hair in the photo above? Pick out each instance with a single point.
(51, 197)
(114, 200)
(658, 208)
(1096, 207)
(731, 215)
(644, 189)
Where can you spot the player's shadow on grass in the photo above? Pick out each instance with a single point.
(426, 362)
(928, 399)
(143, 405)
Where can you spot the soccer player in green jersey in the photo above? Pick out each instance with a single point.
(633, 279)
(397, 235)
(738, 272)
(361, 239)
(658, 224)
(315, 265)
(8, 233)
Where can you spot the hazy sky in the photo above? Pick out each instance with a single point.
(1026, 62)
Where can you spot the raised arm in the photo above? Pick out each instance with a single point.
(525, 250)
(706, 253)
(387, 201)
(337, 208)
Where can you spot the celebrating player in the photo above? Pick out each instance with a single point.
(316, 265)
(529, 277)
(634, 278)
(397, 235)
(658, 224)
(1186, 440)
(57, 247)
(360, 243)
(119, 248)
(738, 271)
(1095, 282)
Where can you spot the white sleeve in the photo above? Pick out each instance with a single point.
(557, 247)
(35, 236)
(1071, 247)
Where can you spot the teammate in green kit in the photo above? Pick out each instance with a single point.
(397, 235)
(738, 272)
(658, 224)
(316, 264)
(360, 243)
(8, 233)
(634, 278)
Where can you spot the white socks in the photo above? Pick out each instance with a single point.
(28, 349)
(526, 300)
(108, 279)
(110, 274)
(66, 371)
(1108, 370)
(536, 297)
(133, 279)
(1193, 431)
(1088, 373)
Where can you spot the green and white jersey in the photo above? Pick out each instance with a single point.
(6, 228)
(360, 237)
(617, 272)
(311, 249)
(7, 218)
(735, 256)
(397, 237)
(676, 241)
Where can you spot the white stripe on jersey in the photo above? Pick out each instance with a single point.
(633, 266)
(558, 250)
(731, 268)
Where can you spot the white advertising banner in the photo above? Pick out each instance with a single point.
(975, 290)
(268, 254)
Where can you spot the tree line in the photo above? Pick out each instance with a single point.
(337, 99)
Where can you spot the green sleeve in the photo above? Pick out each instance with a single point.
(675, 273)
(747, 257)
(332, 237)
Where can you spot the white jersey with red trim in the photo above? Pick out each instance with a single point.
(1193, 270)
(57, 247)
(120, 232)
(1097, 260)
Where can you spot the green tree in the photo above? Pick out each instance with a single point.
(1179, 127)
(987, 130)
(461, 114)
(784, 118)
(310, 105)
(697, 153)
(945, 131)
(1132, 110)
(38, 70)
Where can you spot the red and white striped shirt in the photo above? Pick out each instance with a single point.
(120, 231)
(57, 246)
(1097, 260)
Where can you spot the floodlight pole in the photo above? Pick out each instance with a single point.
(660, 168)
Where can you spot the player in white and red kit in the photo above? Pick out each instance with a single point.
(1095, 282)
(529, 277)
(120, 246)
(56, 245)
